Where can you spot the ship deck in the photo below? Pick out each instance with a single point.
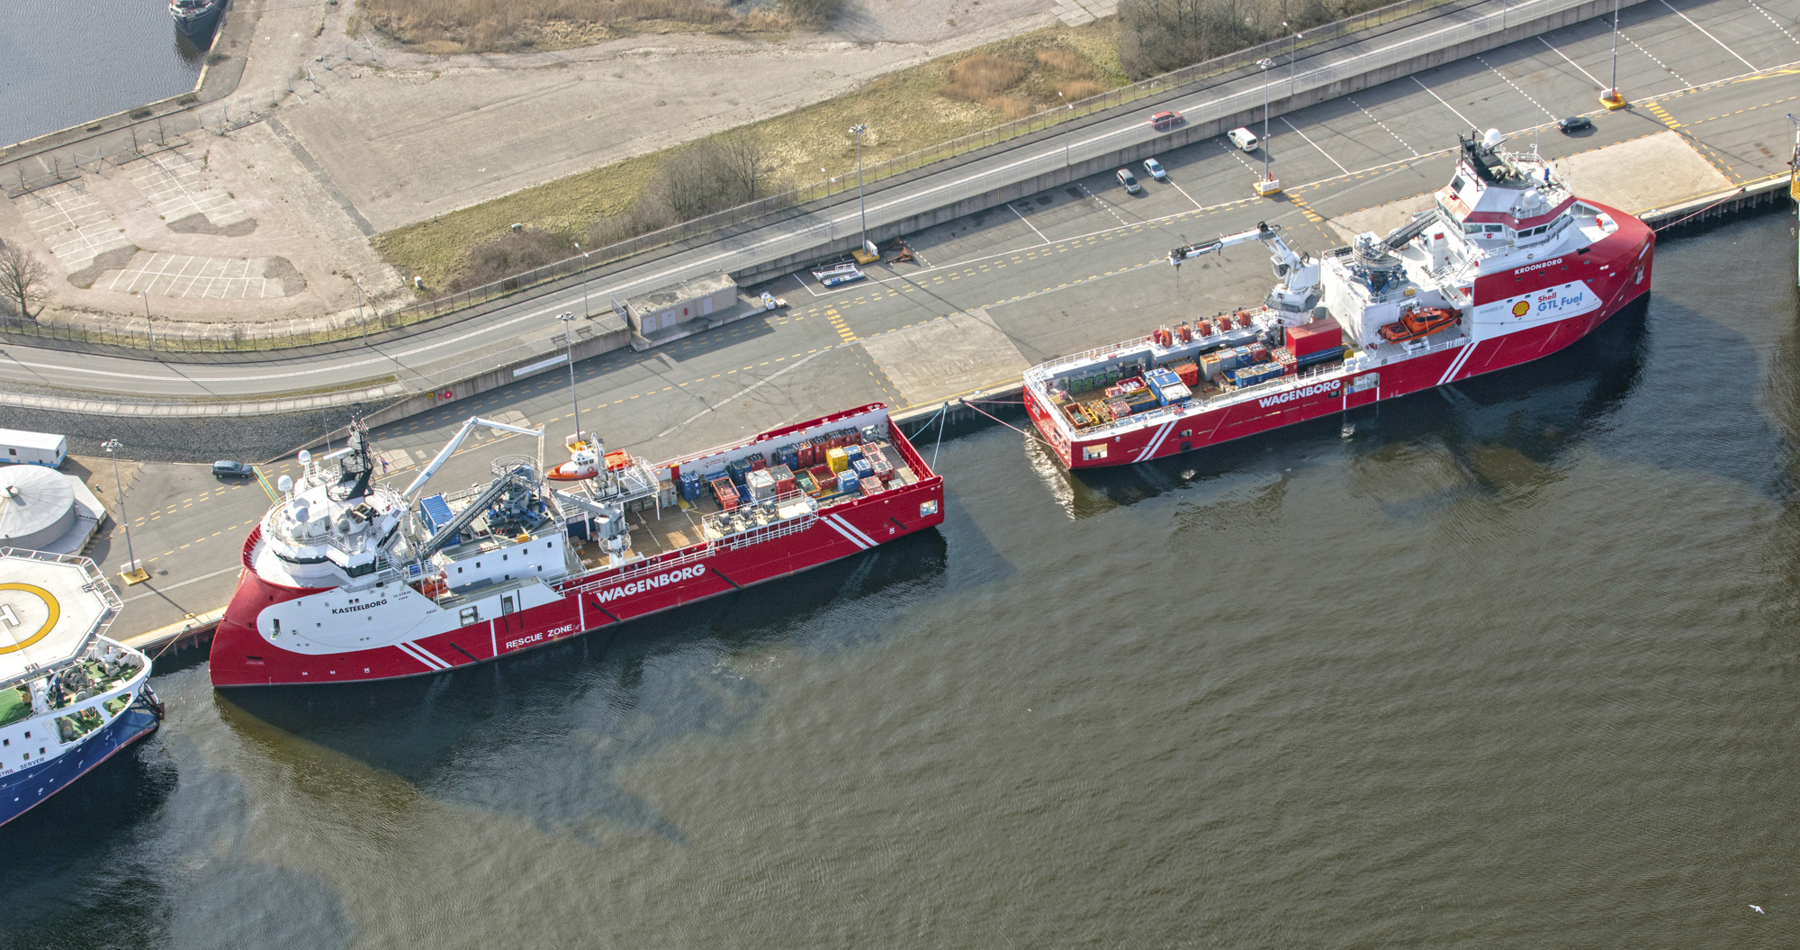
(681, 526)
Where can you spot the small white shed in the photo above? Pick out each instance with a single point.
(689, 300)
(18, 447)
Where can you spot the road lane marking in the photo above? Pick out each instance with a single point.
(1384, 126)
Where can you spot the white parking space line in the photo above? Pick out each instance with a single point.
(805, 286)
(1515, 86)
(1772, 19)
(1447, 105)
(1109, 208)
(1658, 62)
(1383, 125)
(1184, 194)
(1233, 151)
(1028, 223)
(1314, 144)
(1597, 83)
(1709, 35)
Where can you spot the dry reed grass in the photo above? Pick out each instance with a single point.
(981, 77)
(1065, 62)
(1013, 107)
(1081, 89)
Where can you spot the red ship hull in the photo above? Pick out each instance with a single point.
(240, 656)
(1617, 268)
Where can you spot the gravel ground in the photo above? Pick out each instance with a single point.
(251, 439)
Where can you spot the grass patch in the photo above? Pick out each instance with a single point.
(906, 110)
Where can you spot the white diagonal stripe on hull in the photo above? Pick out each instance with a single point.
(412, 650)
(1155, 441)
(1462, 356)
(853, 529)
(853, 539)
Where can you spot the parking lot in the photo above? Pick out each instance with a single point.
(1084, 265)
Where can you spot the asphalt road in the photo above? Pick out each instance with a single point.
(1071, 268)
(427, 355)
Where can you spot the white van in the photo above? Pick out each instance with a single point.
(1242, 138)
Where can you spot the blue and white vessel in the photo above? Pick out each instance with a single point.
(69, 697)
(196, 18)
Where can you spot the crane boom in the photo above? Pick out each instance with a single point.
(1298, 291)
(468, 426)
(1263, 232)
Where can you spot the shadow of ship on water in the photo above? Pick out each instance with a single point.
(541, 735)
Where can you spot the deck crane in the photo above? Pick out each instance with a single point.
(1294, 298)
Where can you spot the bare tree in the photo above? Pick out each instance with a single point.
(24, 280)
(709, 176)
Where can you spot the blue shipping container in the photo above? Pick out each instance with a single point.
(848, 480)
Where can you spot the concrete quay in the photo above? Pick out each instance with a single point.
(1082, 265)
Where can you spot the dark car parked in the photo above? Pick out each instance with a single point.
(1575, 123)
(230, 469)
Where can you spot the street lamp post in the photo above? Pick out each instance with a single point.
(135, 574)
(1070, 106)
(151, 327)
(584, 282)
(1266, 64)
(568, 320)
(862, 209)
(1293, 57)
(359, 311)
(1612, 99)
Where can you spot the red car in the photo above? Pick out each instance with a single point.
(1164, 121)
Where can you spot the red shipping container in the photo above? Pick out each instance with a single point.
(1189, 373)
(1286, 359)
(1313, 337)
(824, 477)
(726, 493)
(852, 436)
(808, 456)
(871, 486)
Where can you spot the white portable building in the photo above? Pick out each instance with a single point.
(32, 448)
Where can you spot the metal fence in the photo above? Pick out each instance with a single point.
(824, 225)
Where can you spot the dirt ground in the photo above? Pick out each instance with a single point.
(352, 136)
(408, 136)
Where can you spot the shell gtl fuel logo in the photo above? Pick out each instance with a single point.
(18, 614)
(1521, 308)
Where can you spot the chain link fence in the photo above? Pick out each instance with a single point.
(1483, 18)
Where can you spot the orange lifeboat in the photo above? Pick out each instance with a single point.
(1419, 322)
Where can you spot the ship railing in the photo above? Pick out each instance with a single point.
(719, 524)
(1044, 372)
(1374, 359)
(636, 569)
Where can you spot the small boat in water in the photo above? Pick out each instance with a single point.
(196, 18)
(69, 698)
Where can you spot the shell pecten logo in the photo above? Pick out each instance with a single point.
(1521, 308)
(19, 615)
